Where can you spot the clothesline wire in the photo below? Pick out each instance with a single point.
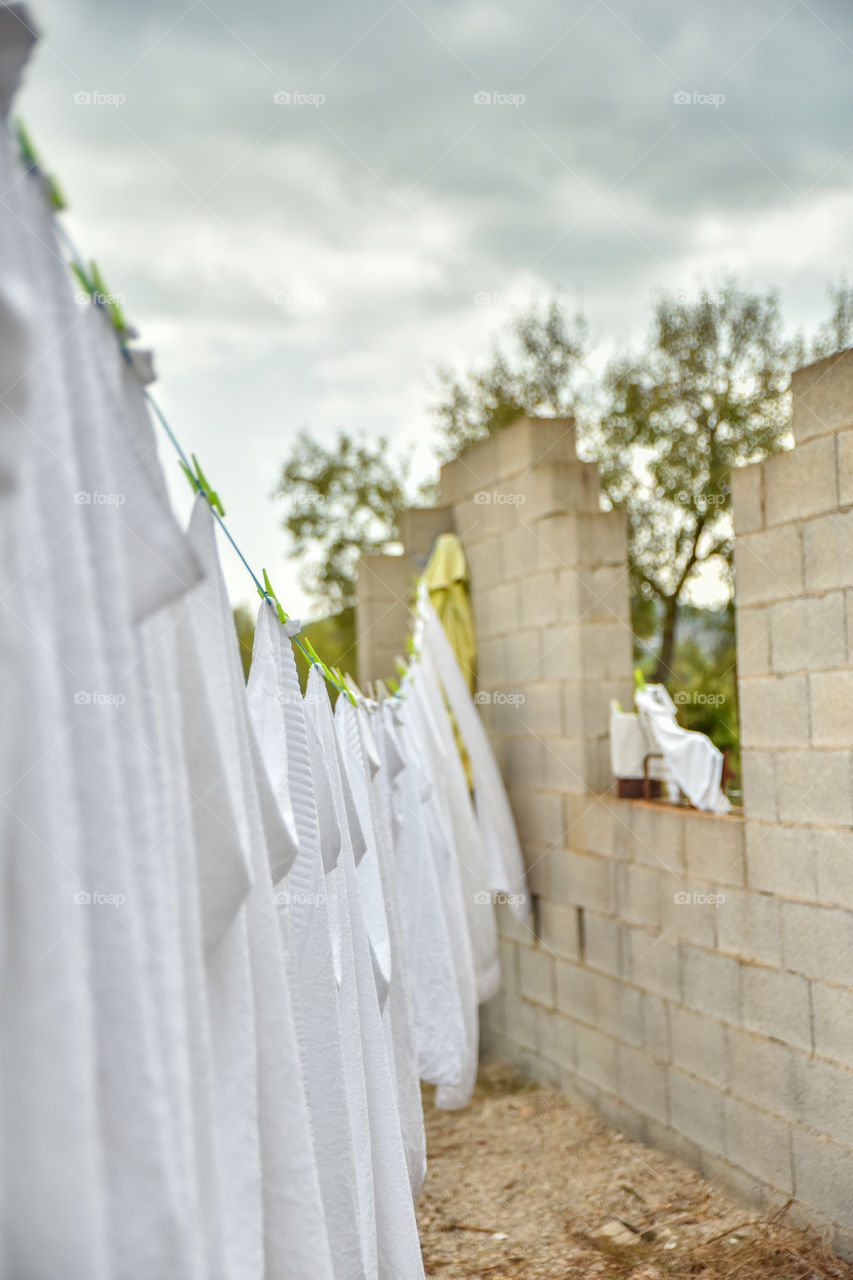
(77, 263)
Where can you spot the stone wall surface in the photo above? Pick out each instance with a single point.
(688, 975)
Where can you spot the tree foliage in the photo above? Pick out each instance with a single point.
(540, 370)
(341, 502)
(708, 392)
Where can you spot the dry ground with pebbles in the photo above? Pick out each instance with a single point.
(523, 1185)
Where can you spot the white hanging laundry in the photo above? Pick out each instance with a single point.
(441, 1029)
(691, 758)
(467, 839)
(456, 1090)
(361, 1026)
(400, 1011)
(278, 713)
(293, 1243)
(75, 596)
(361, 771)
(493, 811)
(398, 1248)
(381, 893)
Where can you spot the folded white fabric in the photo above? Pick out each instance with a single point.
(692, 759)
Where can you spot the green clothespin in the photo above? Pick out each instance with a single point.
(30, 158)
(104, 298)
(201, 484)
(639, 679)
(269, 594)
(400, 665)
(342, 684)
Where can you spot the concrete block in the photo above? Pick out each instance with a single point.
(759, 784)
(519, 548)
(485, 565)
(540, 600)
(711, 984)
(565, 764)
(418, 527)
(508, 955)
(823, 1173)
(555, 543)
(522, 1022)
(831, 696)
(777, 1004)
(769, 565)
(603, 939)
(638, 894)
(523, 656)
(643, 1081)
(759, 1143)
(596, 1058)
(747, 485)
(559, 929)
(654, 963)
(524, 761)
(530, 442)
(696, 1109)
(536, 975)
(603, 538)
(749, 925)
(541, 711)
(780, 860)
(689, 910)
(476, 469)
(714, 845)
(658, 836)
(807, 634)
(826, 1098)
(823, 396)
(774, 711)
(600, 1001)
(827, 542)
(606, 650)
(833, 1022)
(699, 1045)
(818, 942)
(593, 829)
(764, 1072)
(801, 482)
(560, 652)
(814, 786)
(844, 441)
(476, 519)
(538, 816)
(832, 854)
(656, 1034)
(551, 488)
(384, 578)
(583, 880)
(557, 1039)
(491, 661)
(753, 640)
(601, 595)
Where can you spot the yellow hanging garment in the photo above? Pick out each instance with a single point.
(446, 578)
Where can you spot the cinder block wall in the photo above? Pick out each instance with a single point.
(689, 976)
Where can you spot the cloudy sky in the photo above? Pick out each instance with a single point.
(309, 262)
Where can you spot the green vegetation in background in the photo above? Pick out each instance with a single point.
(332, 637)
(704, 678)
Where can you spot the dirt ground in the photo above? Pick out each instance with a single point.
(522, 1185)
